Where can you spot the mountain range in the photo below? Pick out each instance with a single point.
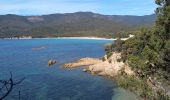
(71, 24)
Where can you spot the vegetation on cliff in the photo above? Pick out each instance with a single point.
(148, 54)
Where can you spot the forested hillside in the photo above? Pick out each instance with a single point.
(71, 24)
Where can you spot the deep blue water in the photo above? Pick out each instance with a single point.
(28, 58)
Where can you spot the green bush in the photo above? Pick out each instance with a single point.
(103, 59)
(148, 53)
(135, 85)
(109, 55)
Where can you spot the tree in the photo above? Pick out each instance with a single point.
(163, 20)
(162, 32)
(148, 53)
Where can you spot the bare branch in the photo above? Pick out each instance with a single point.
(8, 85)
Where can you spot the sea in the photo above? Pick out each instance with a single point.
(28, 59)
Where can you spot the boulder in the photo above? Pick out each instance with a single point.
(84, 70)
(51, 62)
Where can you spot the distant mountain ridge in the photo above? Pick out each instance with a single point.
(70, 24)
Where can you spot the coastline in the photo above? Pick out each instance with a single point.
(107, 66)
(86, 38)
(81, 38)
(111, 66)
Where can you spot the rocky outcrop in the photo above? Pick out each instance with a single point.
(110, 67)
(51, 62)
(82, 62)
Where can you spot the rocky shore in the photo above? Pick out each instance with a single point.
(112, 67)
(109, 67)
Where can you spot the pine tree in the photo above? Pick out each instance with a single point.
(163, 20)
(162, 32)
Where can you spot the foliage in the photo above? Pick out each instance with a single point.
(150, 48)
(148, 53)
(109, 55)
(140, 86)
(103, 59)
(134, 84)
(121, 34)
(73, 24)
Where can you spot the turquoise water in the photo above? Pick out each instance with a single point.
(28, 58)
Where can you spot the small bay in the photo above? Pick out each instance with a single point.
(29, 59)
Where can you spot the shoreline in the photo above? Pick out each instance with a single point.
(87, 38)
(81, 38)
(107, 66)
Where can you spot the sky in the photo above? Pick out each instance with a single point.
(106, 7)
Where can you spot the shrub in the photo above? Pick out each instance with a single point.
(103, 59)
(109, 55)
(135, 85)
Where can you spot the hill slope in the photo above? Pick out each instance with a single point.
(70, 24)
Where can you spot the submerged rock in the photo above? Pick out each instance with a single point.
(39, 48)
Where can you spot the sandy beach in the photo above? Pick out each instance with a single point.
(90, 38)
(83, 38)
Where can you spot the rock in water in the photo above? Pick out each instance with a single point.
(51, 62)
(84, 70)
(109, 67)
